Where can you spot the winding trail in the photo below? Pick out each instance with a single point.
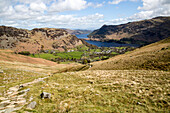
(14, 97)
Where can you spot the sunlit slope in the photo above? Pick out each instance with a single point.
(102, 91)
(151, 57)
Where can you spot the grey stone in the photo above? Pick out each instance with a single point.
(31, 105)
(9, 110)
(45, 95)
(1, 71)
(24, 91)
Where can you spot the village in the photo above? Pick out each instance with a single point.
(84, 54)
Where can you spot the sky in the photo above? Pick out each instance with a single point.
(78, 14)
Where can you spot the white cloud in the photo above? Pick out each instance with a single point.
(67, 5)
(150, 9)
(38, 7)
(21, 8)
(118, 1)
(97, 5)
(44, 13)
(35, 13)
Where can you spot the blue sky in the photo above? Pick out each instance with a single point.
(78, 14)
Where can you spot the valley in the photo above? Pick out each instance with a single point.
(49, 70)
(112, 85)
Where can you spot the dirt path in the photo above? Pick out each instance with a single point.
(14, 97)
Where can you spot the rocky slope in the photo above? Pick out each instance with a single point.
(37, 39)
(140, 32)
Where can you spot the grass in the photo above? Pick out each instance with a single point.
(12, 76)
(46, 56)
(103, 91)
(114, 53)
(82, 48)
(16, 73)
(65, 55)
(74, 54)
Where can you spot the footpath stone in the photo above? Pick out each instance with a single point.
(9, 110)
(14, 89)
(14, 99)
(3, 98)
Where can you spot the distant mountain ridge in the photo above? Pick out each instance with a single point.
(78, 31)
(36, 39)
(140, 32)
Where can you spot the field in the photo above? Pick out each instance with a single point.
(103, 91)
(80, 53)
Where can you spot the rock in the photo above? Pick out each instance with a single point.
(21, 86)
(6, 101)
(9, 110)
(3, 98)
(1, 71)
(8, 93)
(138, 103)
(24, 91)
(31, 105)
(45, 95)
(21, 102)
(10, 106)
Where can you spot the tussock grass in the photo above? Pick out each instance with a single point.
(103, 91)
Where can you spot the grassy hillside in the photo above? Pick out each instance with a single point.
(102, 91)
(152, 57)
(18, 69)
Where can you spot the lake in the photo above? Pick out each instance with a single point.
(105, 44)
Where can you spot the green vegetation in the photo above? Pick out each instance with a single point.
(66, 55)
(82, 53)
(46, 56)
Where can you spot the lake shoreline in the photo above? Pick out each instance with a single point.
(105, 43)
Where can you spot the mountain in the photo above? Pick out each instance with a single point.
(155, 56)
(36, 39)
(140, 32)
(78, 31)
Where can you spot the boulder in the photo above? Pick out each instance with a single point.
(45, 95)
(31, 105)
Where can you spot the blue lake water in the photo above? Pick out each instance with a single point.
(105, 44)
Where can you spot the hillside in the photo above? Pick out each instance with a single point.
(10, 56)
(155, 56)
(140, 32)
(37, 39)
(23, 79)
(78, 31)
